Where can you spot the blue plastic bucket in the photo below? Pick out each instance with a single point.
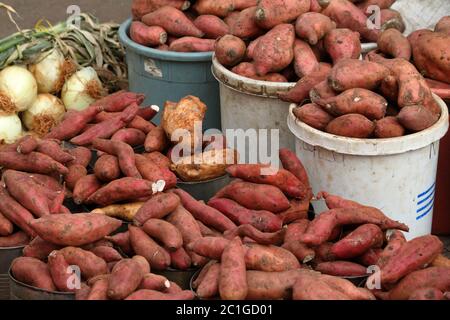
(165, 75)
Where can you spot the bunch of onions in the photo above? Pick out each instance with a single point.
(51, 71)
(18, 89)
(46, 112)
(82, 89)
(10, 128)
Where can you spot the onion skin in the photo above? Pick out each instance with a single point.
(18, 89)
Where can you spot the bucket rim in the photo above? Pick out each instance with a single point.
(17, 282)
(159, 54)
(12, 248)
(245, 85)
(194, 183)
(370, 147)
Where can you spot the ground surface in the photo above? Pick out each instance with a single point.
(54, 11)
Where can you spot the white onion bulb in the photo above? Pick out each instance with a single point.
(82, 89)
(45, 113)
(10, 128)
(18, 89)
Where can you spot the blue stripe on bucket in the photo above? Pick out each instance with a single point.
(425, 213)
(425, 206)
(424, 193)
(425, 199)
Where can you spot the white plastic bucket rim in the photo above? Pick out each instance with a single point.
(370, 147)
(248, 86)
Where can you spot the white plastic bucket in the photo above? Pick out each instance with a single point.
(396, 175)
(250, 104)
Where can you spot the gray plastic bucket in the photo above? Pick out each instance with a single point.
(165, 75)
(7, 255)
(204, 190)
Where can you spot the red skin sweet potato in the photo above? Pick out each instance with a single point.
(156, 295)
(233, 273)
(192, 44)
(280, 178)
(6, 227)
(27, 145)
(230, 50)
(416, 118)
(217, 8)
(244, 24)
(362, 101)
(34, 162)
(17, 239)
(108, 127)
(342, 44)
(73, 123)
(124, 279)
(99, 288)
(321, 91)
(439, 88)
(85, 187)
(157, 207)
(125, 189)
(295, 230)
(119, 101)
(147, 36)
(427, 294)
(382, 4)
(323, 252)
(313, 115)
(143, 245)
(209, 247)
(300, 251)
(206, 214)
(411, 256)
(107, 168)
(90, 265)
(272, 13)
(435, 277)
(357, 242)
(141, 124)
(122, 240)
(158, 159)
(209, 286)
(351, 125)
(305, 61)
(130, 136)
(311, 287)
(302, 88)
(208, 232)
(82, 293)
(53, 149)
(76, 172)
(15, 213)
(248, 70)
(244, 4)
(140, 8)
(313, 26)
(59, 271)
(292, 163)
(298, 210)
(166, 233)
(336, 202)
(173, 21)
(443, 25)
(269, 258)
(212, 26)
(85, 228)
(262, 220)
(274, 51)
(32, 272)
(389, 127)
(156, 140)
(392, 19)
(395, 44)
(152, 172)
(180, 259)
(39, 248)
(347, 15)
(82, 156)
(341, 269)
(247, 230)
(154, 282)
(370, 257)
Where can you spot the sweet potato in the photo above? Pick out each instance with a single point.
(313, 115)
(122, 240)
(82, 156)
(6, 227)
(143, 264)
(441, 261)
(107, 168)
(262, 174)
(313, 26)
(180, 259)
(144, 246)
(33, 272)
(15, 212)
(125, 189)
(410, 257)
(248, 70)
(206, 214)
(39, 248)
(141, 124)
(416, 118)
(300, 251)
(348, 288)
(152, 172)
(165, 233)
(250, 232)
(298, 210)
(302, 88)
(435, 277)
(295, 230)
(99, 288)
(27, 145)
(233, 274)
(140, 8)
(155, 295)
(159, 206)
(119, 101)
(305, 60)
(90, 265)
(392, 19)
(358, 242)
(59, 271)
(244, 24)
(443, 25)
(209, 247)
(156, 140)
(152, 281)
(388, 127)
(321, 91)
(341, 268)
(212, 26)
(311, 287)
(53, 149)
(192, 44)
(83, 292)
(124, 279)
(347, 15)
(273, 13)
(292, 163)
(336, 202)
(34, 162)
(85, 187)
(74, 230)
(131, 136)
(395, 44)
(76, 172)
(351, 125)
(147, 36)
(274, 51)
(159, 159)
(342, 44)
(427, 294)
(125, 212)
(173, 21)
(209, 286)
(17, 239)
(217, 8)
(108, 254)
(370, 257)
(208, 232)
(269, 258)
(230, 50)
